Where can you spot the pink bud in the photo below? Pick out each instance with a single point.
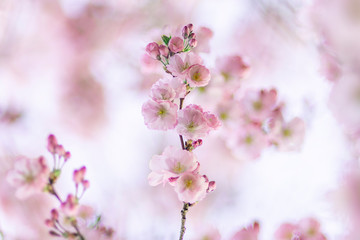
(52, 143)
(212, 186)
(193, 42)
(85, 183)
(67, 155)
(176, 44)
(164, 50)
(185, 32)
(50, 223)
(190, 26)
(79, 175)
(153, 50)
(59, 149)
(54, 214)
(173, 179)
(192, 36)
(53, 233)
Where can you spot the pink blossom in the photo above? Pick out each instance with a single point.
(232, 67)
(310, 229)
(191, 187)
(249, 233)
(176, 44)
(258, 105)
(179, 86)
(70, 207)
(85, 212)
(288, 136)
(193, 123)
(204, 35)
(208, 233)
(306, 229)
(345, 101)
(212, 120)
(29, 176)
(160, 115)
(285, 232)
(179, 64)
(330, 64)
(198, 76)
(172, 163)
(153, 50)
(162, 91)
(248, 141)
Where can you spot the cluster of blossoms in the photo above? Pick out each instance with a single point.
(255, 121)
(306, 229)
(164, 111)
(71, 219)
(152, 69)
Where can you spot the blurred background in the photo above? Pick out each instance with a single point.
(78, 69)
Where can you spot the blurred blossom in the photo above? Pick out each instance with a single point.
(29, 176)
(306, 229)
(249, 233)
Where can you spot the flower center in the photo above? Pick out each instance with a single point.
(162, 112)
(286, 132)
(191, 127)
(29, 178)
(249, 139)
(257, 105)
(179, 168)
(196, 76)
(188, 183)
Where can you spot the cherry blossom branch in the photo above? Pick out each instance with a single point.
(183, 220)
(161, 112)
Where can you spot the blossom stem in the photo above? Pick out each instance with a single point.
(181, 137)
(183, 220)
(54, 193)
(78, 232)
(182, 142)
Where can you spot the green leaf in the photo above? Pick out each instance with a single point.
(96, 223)
(166, 39)
(57, 172)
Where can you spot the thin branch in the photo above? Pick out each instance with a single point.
(183, 220)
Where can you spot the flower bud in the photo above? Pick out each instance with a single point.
(79, 175)
(54, 214)
(190, 27)
(50, 223)
(52, 143)
(212, 186)
(185, 32)
(164, 50)
(85, 183)
(59, 149)
(176, 44)
(67, 155)
(192, 35)
(153, 50)
(193, 43)
(53, 233)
